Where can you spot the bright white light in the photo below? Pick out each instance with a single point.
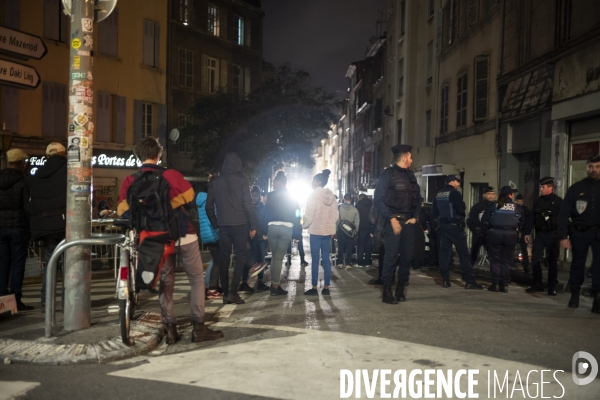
(300, 190)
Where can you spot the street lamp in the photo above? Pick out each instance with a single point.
(5, 142)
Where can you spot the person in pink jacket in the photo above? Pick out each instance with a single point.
(320, 219)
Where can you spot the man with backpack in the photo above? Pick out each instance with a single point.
(347, 228)
(155, 200)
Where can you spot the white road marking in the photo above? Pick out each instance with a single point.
(12, 390)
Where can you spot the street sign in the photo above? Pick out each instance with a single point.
(18, 74)
(21, 43)
(102, 8)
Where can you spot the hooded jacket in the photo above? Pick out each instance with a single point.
(229, 202)
(207, 232)
(283, 208)
(364, 208)
(48, 204)
(321, 213)
(350, 213)
(14, 196)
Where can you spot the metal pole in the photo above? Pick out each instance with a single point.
(78, 276)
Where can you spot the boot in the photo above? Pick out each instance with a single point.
(400, 292)
(201, 332)
(388, 297)
(574, 301)
(596, 304)
(172, 334)
(536, 287)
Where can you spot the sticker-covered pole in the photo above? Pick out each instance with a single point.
(77, 285)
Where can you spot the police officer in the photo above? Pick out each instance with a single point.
(522, 243)
(474, 222)
(450, 208)
(503, 219)
(582, 205)
(544, 217)
(398, 201)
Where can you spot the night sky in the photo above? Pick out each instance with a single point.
(320, 36)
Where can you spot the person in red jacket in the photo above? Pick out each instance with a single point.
(181, 193)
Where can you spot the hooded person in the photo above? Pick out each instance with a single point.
(364, 243)
(229, 193)
(350, 219)
(320, 219)
(48, 204)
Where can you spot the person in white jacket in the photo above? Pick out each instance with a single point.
(320, 220)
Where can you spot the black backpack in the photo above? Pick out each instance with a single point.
(150, 205)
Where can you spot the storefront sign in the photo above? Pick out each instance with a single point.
(101, 159)
(582, 151)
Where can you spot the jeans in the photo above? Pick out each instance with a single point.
(364, 247)
(192, 262)
(279, 240)
(404, 245)
(581, 242)
(501, 253)
(50, 243)
(345, 247)
(320, 247)
(13, 255)
(212, 274)
(449, 235)
(236, 236)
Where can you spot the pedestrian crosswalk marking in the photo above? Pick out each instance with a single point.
(13, 390)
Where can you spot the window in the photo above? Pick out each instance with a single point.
(473, 8)
(186, 11)
(54, 109)
(147, 118)
(401, 79)
(428, 128)
(186, 142)
(402, 18)
(238, 30)
(480, 104)
(237, 81)
(211, 67)
(151, 43)
(461, 101)
(110, 118)
(186, 68)
(56, 22)
(213, 19)
(430, 62)
(108, 35)
(444, 109)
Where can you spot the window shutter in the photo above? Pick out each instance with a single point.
(223, 75)
(223, 32)
(120, 122)
(156, 45)
(148, 43)
(204, 85)
(248, 32)
(247, 81)
(162, 124)
(60, 101)
(108, 34)
(137, 121)
(103, 112)
(473, 5)
(481, 88)
(12, 13)
(51, 19)
(10, 108)
(48, 109)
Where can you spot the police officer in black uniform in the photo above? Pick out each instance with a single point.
(544, 217)
(398, 201)
(450, 208)
(503, 219)
(582, 205)
(478, 230)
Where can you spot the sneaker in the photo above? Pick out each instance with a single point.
(213, 294)
(233, 299)
(311, 292)
(357, 266)
(303, 263)
(22, 306)
(348, 267)
(278, 292)
(257, 269)
(340, 266)
(261, 287)
(244, 287)
(325, 292)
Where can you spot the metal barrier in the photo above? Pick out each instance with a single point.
(97, 239)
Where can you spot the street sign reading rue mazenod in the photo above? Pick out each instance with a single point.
(21, 43)
(19, 74)
(103, 8)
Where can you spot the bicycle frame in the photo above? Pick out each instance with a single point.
(127, 270)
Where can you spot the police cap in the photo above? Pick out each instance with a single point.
(594, 158)
(451, 178)
(488, 189)
(401, 148)
(506, 190)
(548, 180)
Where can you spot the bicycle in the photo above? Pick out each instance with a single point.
(125, 286)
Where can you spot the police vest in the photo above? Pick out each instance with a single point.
(546, 214)
(444, 206)
(401, 194)
(506, 217)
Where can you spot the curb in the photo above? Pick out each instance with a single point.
(147, 331)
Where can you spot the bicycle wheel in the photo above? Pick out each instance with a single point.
(125, 321)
